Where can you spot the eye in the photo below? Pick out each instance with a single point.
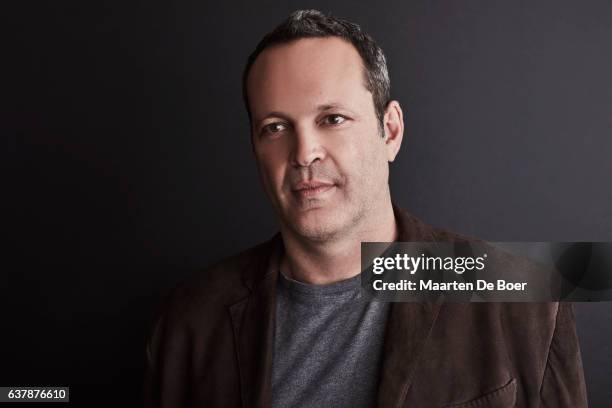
(334, 119)
(275, 127)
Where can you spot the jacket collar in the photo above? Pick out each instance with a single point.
(253, 318)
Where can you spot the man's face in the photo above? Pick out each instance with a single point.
(316, 137)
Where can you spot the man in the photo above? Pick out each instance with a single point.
(283, 324)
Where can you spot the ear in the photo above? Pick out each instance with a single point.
(394, 129)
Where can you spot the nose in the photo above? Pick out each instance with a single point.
(307, 147)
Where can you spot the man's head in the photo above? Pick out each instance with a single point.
(322, 126)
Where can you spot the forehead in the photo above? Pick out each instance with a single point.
(308, 72)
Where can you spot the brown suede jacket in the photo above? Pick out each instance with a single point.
(212, 341)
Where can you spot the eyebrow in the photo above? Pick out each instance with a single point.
(330, 106)
(320, 108)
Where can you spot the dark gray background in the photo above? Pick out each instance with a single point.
(126, 153)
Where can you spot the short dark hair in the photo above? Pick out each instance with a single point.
(313, 24)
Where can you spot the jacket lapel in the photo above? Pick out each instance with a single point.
(253, 324)
(408, 326)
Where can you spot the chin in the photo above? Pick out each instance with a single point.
(318, 234)
(317, 227)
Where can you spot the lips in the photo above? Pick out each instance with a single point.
(308, 189)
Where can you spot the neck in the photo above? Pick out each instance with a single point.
(340, 258)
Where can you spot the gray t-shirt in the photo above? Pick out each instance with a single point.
(327, 346)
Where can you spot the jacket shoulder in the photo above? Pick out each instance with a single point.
(420, 230)
(212, 289)
(515, 314)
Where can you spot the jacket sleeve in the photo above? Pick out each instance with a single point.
(150, 387)
(563, 384)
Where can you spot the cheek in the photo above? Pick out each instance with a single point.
(370, 170)
(360, 159)
(272, 167)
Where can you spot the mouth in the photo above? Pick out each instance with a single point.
(312, 189)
